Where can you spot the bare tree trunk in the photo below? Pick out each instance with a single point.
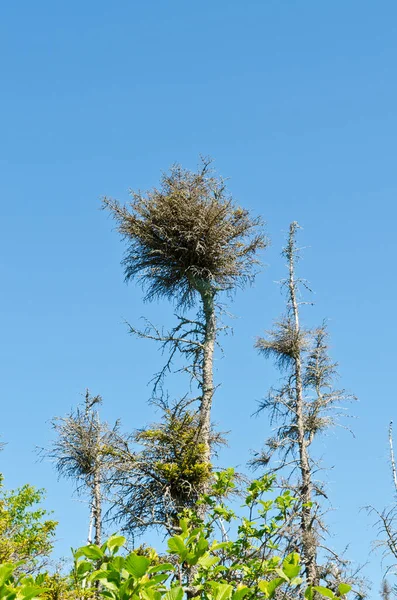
(208, 371)
(91, 522)
(393, 462)
(97, 507)
(309, 549)
(207, 393)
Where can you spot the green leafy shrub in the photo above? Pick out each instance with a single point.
(26, 532)
(242, 563)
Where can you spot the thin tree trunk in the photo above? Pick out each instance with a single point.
(392, 460)
(97, 506)
(208, 371)
(309, 550)
(207, 297)
(91, 523)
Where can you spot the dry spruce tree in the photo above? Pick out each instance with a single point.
(188, 241)
(386, 522)
(86, 450)
(304, 405)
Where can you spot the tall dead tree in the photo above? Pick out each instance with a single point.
(188, 241)
(85, 450)
(386, 522)
(304, 406)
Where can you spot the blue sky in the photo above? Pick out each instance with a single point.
(296, 102)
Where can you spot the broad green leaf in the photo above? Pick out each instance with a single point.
(175, 593)
(101, 574)
(6, 570)
(29, 592)
(156, 579)
(309, 593)
(207, 561)
(240, 593)
(202, 545)
(291, 566)
(93, 552)
(219, 545)
(184, 525)
(148, 594)
(117, 563)
(222, 591)
(324, 591)
(107, 594)
(281, 574)
(291, 571)
(112, 576)
(176, 545)
(269, 587)
(115, 542)
(136, 565)
(344, 588)
(110, 585)
(83, 567)
(162, 567)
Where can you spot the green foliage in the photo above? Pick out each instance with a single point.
(243, 565)
(26, 533)
(183, 463)
(154, 484)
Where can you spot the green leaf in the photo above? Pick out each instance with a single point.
(202, 545)
(324, 591)
(93, 552)
(309, 593)
(176, 545)
(107, 594)
(148, 594)
(29, 592)
(157, 579)
(269, 587)
(115, 542)
(207, 561)
(162, 567)
(83, 567)
(184, 525)
(240, 593)
(6, 570)
(344, 588)
(291, 566)
(219, 545)
(136, 565)
(223, 591)
(117, 563)
(281, 574)
(110, 585)
(175, 593)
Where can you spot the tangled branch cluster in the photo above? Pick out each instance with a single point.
(187, 236)
(153, 485)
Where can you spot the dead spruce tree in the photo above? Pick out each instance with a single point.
(386, 521)
(187, 241)
(86, 450)
(304, 406)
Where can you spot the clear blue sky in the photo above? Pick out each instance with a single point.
(297, 103)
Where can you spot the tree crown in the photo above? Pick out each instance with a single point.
(187, 236)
